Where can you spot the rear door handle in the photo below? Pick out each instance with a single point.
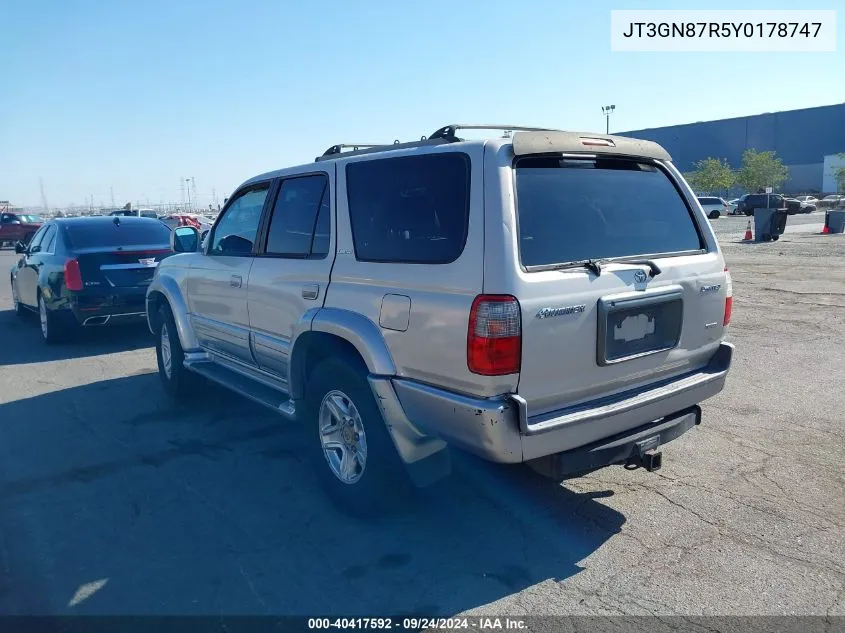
(310, 291)
(237, 281)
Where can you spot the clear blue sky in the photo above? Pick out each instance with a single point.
(133, 95)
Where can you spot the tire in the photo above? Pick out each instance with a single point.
(775, 238)
(377, 483)
(53, 330)
(176, 380)
(17, 305)
(714, 215)
(749, 213)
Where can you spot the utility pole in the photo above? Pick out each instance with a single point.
(182, 191)
(111, 190)
(607, 111)
(190, 207)
(43, 197)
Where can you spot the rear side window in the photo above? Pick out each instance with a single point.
(710, 200)
(576, 209)
(413, 209)
(108, 234)
(301, 218)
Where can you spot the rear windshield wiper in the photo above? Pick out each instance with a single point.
(593, 265)
(654, 269)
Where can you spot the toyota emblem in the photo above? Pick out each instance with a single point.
(640, 277)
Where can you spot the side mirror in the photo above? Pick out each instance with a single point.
(20, 247)
(184, 239)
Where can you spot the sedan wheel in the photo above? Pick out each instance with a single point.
(49, 327)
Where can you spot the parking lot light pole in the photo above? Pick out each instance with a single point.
(606, 111)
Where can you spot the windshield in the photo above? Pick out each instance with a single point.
(31, 218)
(572, 210)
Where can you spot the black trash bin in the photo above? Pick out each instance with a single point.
(769, 224)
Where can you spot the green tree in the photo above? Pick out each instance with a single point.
(760, 170)
(711, 175)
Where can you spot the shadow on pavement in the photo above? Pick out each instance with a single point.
(22, 342)
(209, 507)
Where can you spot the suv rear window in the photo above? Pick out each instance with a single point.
(710, 200)
(96, 234)
(413, 209)
(576, 209)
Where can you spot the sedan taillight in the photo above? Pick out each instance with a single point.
(73, 276)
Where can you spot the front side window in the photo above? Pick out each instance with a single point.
(300, 224)
(412, 209)
(577, 209)
(235, 233)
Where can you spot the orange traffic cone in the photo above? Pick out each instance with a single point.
(748, 236)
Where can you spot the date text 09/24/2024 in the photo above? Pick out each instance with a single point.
(481, 623)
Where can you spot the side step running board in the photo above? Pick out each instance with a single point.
(262, 394)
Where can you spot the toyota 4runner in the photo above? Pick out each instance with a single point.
(541, 296)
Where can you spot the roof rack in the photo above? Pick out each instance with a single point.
(449, 131)
(445, 134)
(363, 148)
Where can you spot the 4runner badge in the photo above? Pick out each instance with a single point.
(545, 313)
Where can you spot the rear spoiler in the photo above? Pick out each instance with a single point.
(544, 142)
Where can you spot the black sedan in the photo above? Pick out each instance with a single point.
(84, 272)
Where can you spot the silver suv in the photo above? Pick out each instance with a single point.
(541, 296)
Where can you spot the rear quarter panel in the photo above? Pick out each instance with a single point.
(433, 347)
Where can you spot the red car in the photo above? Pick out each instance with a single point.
(18, 227)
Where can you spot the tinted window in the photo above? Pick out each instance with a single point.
(236, 231)
(710, 200)
(96, 234)
(570, 210)
(410, 209)
(36, 239)
(49, 240)
(299, 226)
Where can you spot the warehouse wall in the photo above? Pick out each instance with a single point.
(801, 138)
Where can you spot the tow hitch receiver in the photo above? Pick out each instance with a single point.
(646, 455)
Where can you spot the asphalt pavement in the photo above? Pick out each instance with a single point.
(114, 500)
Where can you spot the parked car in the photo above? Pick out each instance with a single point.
(18, 227)
(82, 272)
(831, 202)
(794, 206)
(807, 200)
(761, 201)
(399, 300)
(713, 207)
(734, 204)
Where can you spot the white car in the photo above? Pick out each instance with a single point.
(733, 205)
(713, 207)
(807, 200)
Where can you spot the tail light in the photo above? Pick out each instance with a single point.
(729, 298)
(494, 337)
(73, 276)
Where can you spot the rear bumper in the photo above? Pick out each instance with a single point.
(97, 311)
(625, 448)
(501, 429)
